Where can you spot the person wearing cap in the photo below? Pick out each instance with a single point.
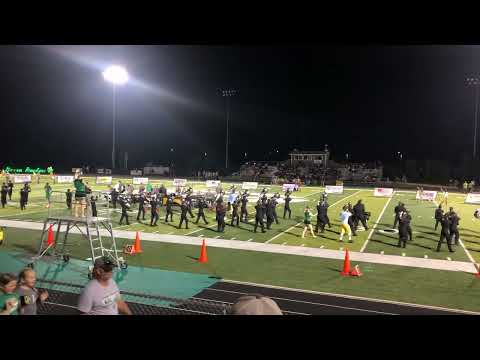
(101, 296)
(255, 305)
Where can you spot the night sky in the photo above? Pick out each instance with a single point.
(368, 101)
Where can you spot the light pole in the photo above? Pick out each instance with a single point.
(116, 75)
(475, 82)
(227, 94)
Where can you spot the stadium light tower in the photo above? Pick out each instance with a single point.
(227, 94)
(475, 82)
(116, 75)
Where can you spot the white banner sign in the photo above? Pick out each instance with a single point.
(426, 195)
(19, 179)
(249, 185)
(179, 182)
(290, 187)
(136, 172)
(140, 181)
(383, 192)
(472, 198)
(330, 189)
(101, 171)
(64, 179)
(104, 180)
(212, 183)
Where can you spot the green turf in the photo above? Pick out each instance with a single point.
(425, 238)
(421, 286)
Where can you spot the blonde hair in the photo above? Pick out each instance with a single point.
(23, 273)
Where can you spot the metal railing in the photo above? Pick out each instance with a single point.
(63, 300)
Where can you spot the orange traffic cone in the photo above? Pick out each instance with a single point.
(356, 271)
(137, 248)
(346, 264)
(203, 253)
(50, 240)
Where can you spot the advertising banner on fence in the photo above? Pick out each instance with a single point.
(20, 179)
(426, 195)
(290, 187)
(101, 171)
(64, 179)
(212, 183)
(106, 180)
(249, 185)
(472, 198)
(383, 192)
(179, 182)
(330, 189)
(136, 172)
(140, 181)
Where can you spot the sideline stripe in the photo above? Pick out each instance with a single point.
(307, 302)
(353, 297)
(294, 226)
(376, 223)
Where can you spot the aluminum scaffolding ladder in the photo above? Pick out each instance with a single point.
(89, 227)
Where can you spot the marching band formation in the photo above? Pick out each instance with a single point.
(235, 203)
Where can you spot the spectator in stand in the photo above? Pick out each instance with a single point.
(255, 305)
(9, 300)
(29, 295)
(102, 296)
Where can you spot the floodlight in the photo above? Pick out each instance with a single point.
(116, 75)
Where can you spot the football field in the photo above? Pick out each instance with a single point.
(378, 239)
(453, 289)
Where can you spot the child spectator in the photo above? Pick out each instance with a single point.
(8, 298)
(29, 295)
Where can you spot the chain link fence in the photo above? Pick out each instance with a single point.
(63, 298)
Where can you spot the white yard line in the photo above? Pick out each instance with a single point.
(201, 229)
(468, 254)
(376, 223)
(294, 226)
(470, 257)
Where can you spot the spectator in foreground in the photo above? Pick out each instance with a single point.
(29, 295)
(102, 296)
(8, 298)
(255, 305)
